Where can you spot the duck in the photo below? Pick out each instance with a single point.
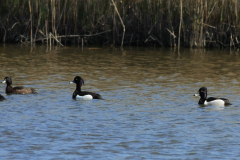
(84, 95)
(18, 89)
(1, 98)
(211, 101)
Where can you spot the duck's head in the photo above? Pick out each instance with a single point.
(7, 80)
(78, 80)
(202, 92)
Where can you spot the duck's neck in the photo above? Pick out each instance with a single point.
(78, 88)
(9, 89)
(201, 100)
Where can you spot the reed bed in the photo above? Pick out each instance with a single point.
(188, 23)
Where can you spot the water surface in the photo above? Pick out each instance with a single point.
(148, 112)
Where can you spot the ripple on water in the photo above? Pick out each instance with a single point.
(148, 112)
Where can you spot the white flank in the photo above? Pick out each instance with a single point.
(217, 102)
(86, 97)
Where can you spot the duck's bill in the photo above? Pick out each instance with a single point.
(197, 95)
(71, 82)
(4, 81)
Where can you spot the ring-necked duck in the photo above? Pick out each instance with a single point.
(16, 90)
(202, 92)
(1, 98)
(78, 94)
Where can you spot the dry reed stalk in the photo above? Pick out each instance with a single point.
(121, 22)
(30, 10)
(179, 33)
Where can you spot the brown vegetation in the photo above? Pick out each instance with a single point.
(189, 23)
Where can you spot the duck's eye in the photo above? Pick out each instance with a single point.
(76, 79)
(201, 90)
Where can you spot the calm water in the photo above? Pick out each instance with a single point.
(148, 112)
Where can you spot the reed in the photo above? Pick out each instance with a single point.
(188, 23)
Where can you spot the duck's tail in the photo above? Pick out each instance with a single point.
(33, 91)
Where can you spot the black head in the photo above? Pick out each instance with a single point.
(203, 92)
(7, 80)
(78, 80)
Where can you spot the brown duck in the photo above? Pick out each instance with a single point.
(1, 98)
(18, 89)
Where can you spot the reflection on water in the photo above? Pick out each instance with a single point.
(148, 112)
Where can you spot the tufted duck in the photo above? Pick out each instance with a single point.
(16, 90)
(78, 94)
(202, 92)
